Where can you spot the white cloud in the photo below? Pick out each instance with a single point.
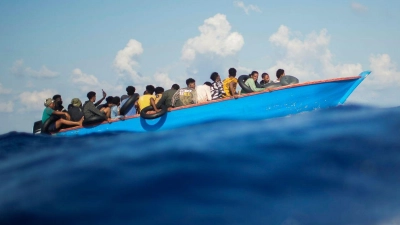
(124, 61)
(248, 8)
(19, 69)
(4, 90)
(310, 58)
(33, 101)
(357, 7)
(125, 64)
(386, 73)
(215, 38)
(7, 107)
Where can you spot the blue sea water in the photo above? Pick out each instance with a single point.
(334, 166)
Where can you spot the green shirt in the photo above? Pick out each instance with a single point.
(46, 114)
(252, 85)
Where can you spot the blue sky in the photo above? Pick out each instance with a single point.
(72, 47)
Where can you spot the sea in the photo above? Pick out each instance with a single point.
(333, 166)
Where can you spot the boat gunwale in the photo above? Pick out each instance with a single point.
(225, 99)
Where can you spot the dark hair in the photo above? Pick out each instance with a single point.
(56, 96)
(159, 90)
(232, 72)
(263, 75)
(175, 86)
(214, 76)
(150, 89)
(208, 83)
(279, 73)
(90, 94)
(109, 99)
(130, 90)
(252, 73)
(116, 100)
(189, 81)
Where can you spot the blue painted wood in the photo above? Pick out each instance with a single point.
(263, 105)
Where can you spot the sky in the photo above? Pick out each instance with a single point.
(73, 47)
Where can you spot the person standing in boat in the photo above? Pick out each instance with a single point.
(265, 79)
(90, 111)
(230, 83)
(251, 83)
(130, 90)
(166, 97)
(217, 91)
(185, 96)
(203, 92)
(279, 74)
(56, 125)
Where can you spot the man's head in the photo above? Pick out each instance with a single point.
(232, 72)
(109, 100)
(91, 96)
(76, 102)
(208, 83)
(116, 101)
(159, 90)
(280, 73)
(150, 89)
(49, 103)
(254, 75)
(215, 77)
(265, 77)
(191, 83)
(175, 87)
(130, 90)
(57, 97)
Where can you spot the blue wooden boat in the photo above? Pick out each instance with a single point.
(279, 102)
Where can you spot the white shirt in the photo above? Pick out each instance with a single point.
(203, 93)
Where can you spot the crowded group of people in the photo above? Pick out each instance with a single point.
(76, 112)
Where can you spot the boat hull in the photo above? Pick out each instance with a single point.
(279, 102)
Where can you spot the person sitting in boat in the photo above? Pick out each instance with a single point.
(279, 73)
(185, 96)
(159, 92)
(166, 97)
(75, 109)
(115, 108)
(147, 99)
(230, 83)
(109, 102)
(203, 92)
(130, 91)
(90, 111)
(58, 103)
(250, 82)
(217, 90)
(265, 79)
(55, 126)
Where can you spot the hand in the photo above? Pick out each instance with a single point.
(104, 93)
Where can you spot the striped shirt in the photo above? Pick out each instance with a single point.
(217, 90)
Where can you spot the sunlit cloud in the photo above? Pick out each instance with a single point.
(19, 69)
(247, 8)
(34, 101)
(357, 7)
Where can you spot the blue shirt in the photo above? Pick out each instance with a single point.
(132, 111)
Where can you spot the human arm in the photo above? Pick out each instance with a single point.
(162, 101)
(153, 103)
(252, 85)
(58, 113)
(232, 89)
(100, 100)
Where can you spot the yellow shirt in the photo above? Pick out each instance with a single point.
(225, 85)
(158, 97)
(144, 101)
